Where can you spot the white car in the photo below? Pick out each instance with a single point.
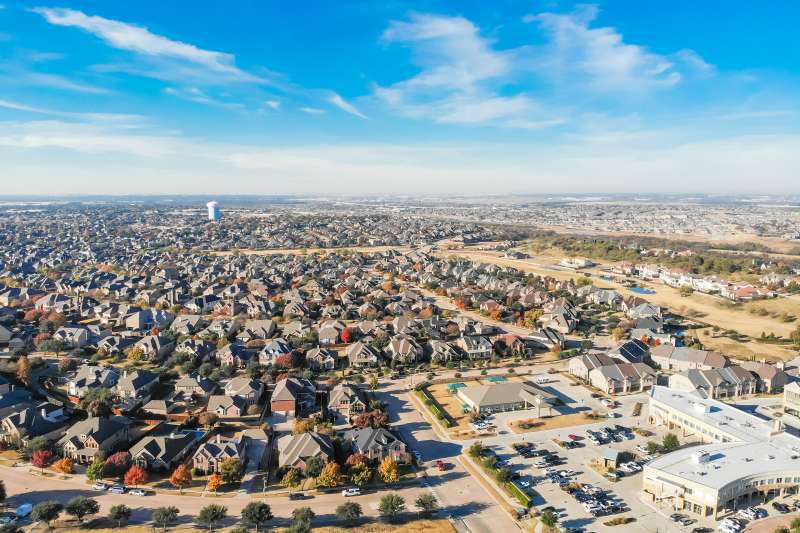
(100, 486)
(137, 492)
(353, 491)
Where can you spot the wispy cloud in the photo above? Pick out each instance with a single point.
(272, 104)
(459, 77)
(197, 95)
(312, 110)
(140, 40)
(599, 55)
(345, 106)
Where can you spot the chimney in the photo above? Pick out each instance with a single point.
(219, 438)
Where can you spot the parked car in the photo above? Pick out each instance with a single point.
(780, 507)
(100, 486)
(8, 518)
(352, 491)
(23, 510)
(117, 489)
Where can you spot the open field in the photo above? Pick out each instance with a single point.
(778, 245)
(703, 308)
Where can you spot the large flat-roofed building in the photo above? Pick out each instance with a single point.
(791, 398)
(742, 460)
(507, 396)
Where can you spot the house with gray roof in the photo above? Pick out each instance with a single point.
(376, 444)
(506, 396)
(163, 448)
(294, 451)
(622, 378)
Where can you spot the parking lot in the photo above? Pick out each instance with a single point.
(584, 497)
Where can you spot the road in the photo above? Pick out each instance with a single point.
(458, 492)
(22, 486)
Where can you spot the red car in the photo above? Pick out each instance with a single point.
(441, 465)
(572, 437)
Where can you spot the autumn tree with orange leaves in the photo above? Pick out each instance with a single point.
(181, 478)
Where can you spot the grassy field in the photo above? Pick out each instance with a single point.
(704, 308)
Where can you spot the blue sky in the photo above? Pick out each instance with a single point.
(398, 97)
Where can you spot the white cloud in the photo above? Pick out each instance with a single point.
(600, 55)
(121, 120)
(460, 74)
(140, 40)
(272, 104)
(21, 76)
(312, 110)
(88, 138)
(345, 106)
(693, 59)
(197, 95)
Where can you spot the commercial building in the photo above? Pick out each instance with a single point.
(507, 396)
(742, 459)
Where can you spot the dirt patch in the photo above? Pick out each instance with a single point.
(553, 422)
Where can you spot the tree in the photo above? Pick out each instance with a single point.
(388, 470)
(373, 382)
(360, 474)
(372, 419)
(118, 463)
(120, 513)
(95, 470)
(618, 333)
(211, 515)
(214, 482)
(24, 370)
(346, 335)
(81, 506)
(303, 515)
(391, 505)
(329, 477)
(349, 512)
(427, 504)
(231, 470)
(256, 514)
(136, 475)
(164, 516)
(42, 458)
(314, 466)
(290, 478)
(670, 442)
(181, 478)
(46, 512)
(652, 447)
(64, 466)
(302, 425)
(548, 519)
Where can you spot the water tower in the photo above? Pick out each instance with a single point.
(213, 211)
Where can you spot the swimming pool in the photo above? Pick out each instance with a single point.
(642, 290)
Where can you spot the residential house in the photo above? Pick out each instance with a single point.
(321, 359)
(623, 378)
(581, 366)
(226, 406)
(476, 347)
(376, 444)
(681, 359)
(44, 420)
(94, 437)
(346, 401)
(249, 390)
(293, 397)
(163, 448)
(136, 385)
(90, 377)
(717, 383)
(210, 455)
(294, 451)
